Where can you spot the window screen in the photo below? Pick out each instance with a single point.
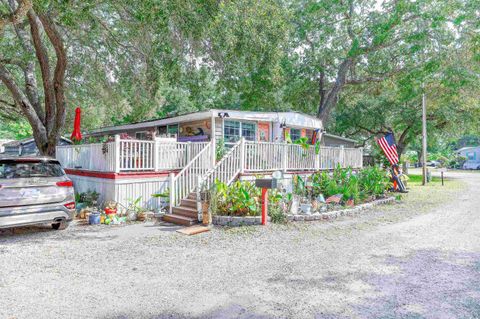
(173, 129)
(231, 131)
(248, 131)
(295, 134)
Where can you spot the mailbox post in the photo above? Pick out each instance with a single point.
(264, 205)
(265, 184)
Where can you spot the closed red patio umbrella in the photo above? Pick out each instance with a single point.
(77, 134)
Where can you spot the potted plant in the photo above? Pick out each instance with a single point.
(135, 211)
(165, 200)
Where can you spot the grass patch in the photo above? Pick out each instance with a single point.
(422, 197)
(417, 179)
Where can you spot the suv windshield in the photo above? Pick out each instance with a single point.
(10, 169)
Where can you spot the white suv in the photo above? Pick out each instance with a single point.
(35, 190)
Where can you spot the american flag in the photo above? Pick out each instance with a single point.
(387, 144)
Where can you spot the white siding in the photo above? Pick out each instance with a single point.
(123, 191)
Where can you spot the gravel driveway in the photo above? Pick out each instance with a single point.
(417, 259)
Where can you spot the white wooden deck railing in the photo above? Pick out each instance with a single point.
(265, 156)
(177, 155)
(93, 157)
(138, 155)
(186, 181)
(227, 169)
(128, 155)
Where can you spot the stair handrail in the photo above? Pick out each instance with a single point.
(227, 156)
(178, 194)
(233, 160)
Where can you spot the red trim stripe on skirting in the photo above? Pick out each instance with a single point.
(112, 175)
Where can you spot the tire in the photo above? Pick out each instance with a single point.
(60, 226)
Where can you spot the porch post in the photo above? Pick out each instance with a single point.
(213, 140)
(189, 152)
(242, 155)
(317, 158)
(156, 146)
(171, 182)
(285, 157)
(117, 154)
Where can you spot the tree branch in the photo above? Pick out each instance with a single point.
(23, 102)
(43, 59)
(17, 15)
(59, 73)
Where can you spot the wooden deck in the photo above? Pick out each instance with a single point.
(127, 169)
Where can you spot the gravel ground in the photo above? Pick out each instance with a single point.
(417, 259)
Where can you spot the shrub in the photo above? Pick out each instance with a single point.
(358, 186)
(239, 199)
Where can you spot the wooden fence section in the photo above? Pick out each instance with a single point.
(128, 155)
(138, 155)
(265, 156)
(92, 157)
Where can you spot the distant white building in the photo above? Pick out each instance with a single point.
(472, 155)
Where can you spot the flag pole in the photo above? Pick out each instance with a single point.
(424, 136)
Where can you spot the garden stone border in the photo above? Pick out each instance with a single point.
(340, 212)
(235, 221)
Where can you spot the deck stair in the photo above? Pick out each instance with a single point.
(183, 209)
(185, 187)
(185, 214)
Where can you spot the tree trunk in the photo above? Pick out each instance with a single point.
(331, 98)
(47, 120)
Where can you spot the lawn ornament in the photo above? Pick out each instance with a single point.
(334, 199)
(389, 148)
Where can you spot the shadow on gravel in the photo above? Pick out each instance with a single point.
(228, 312)
(430, 284)
(37, 233)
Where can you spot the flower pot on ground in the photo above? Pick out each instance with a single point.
(142, 216)
(131, 215)
(135, 211)
(306, 208)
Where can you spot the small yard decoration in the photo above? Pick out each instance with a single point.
(389, 148)
(135, 211)
(343, 188)
(165, 200)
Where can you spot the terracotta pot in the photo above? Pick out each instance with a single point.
(141, 216)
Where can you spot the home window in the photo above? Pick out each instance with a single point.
(172, 129)
(233, 130)
(249, 131)
(167, 129)
(295, 134)
(162, 130)
(141, 135)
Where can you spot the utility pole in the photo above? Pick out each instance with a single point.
(424, 136)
